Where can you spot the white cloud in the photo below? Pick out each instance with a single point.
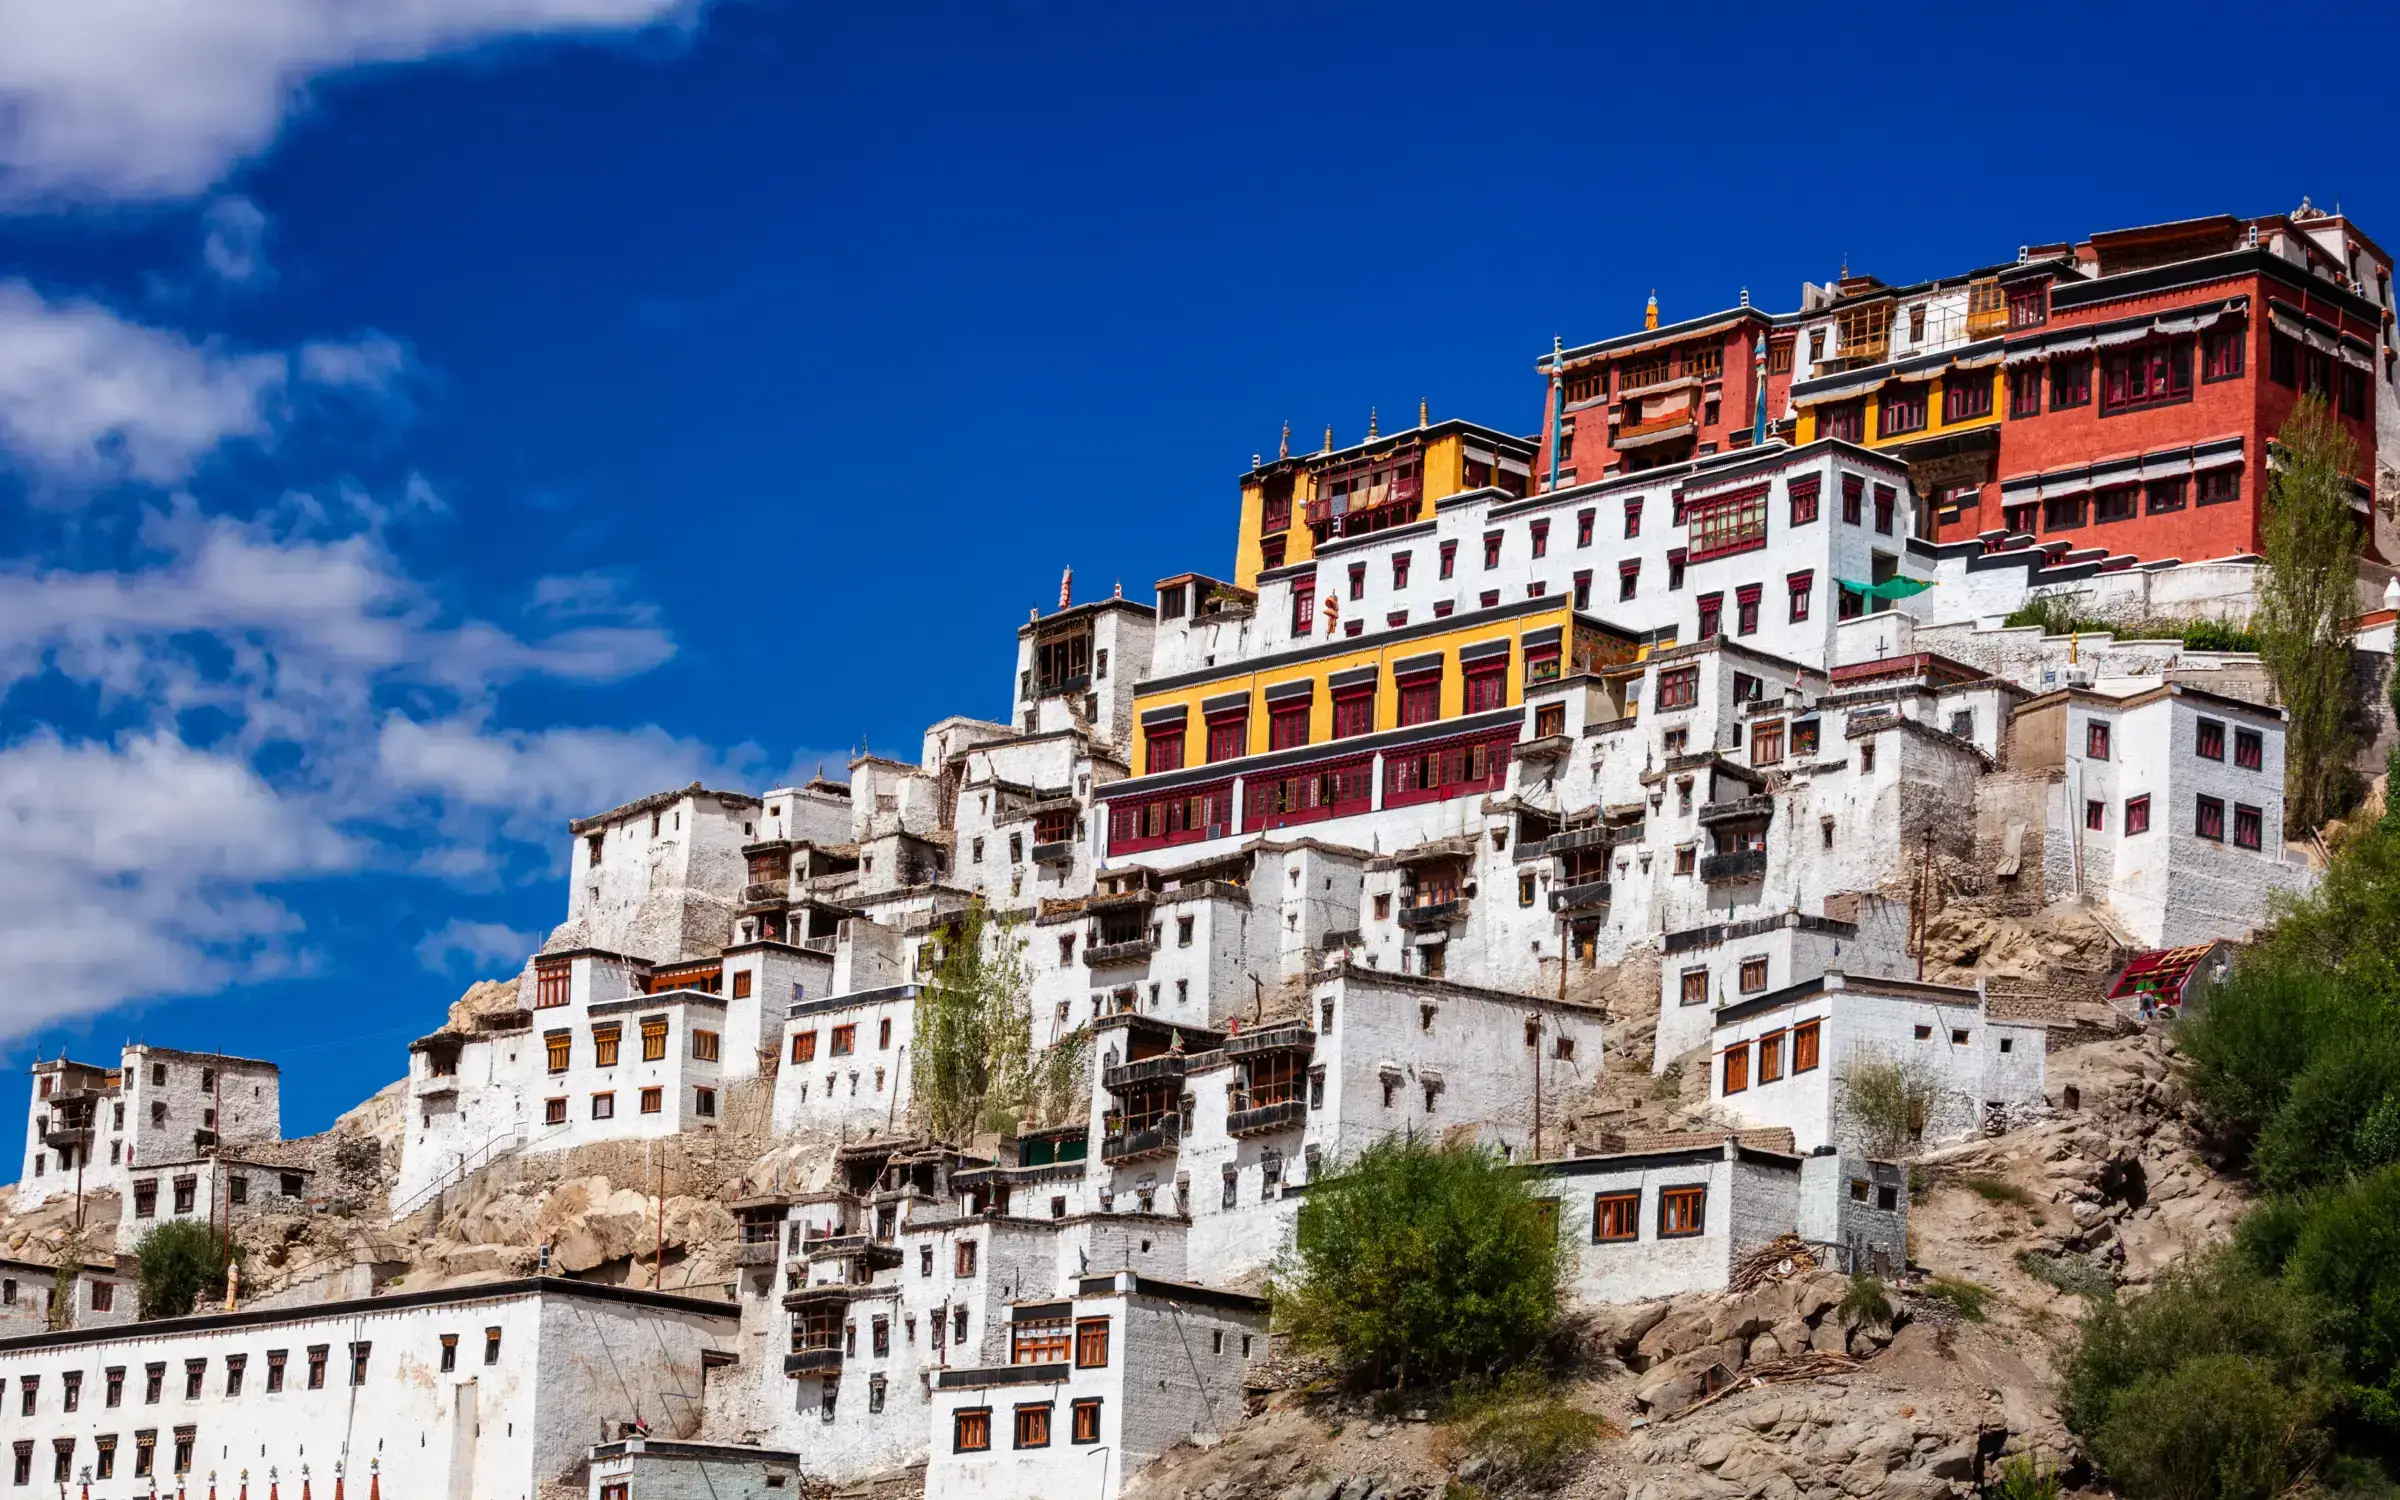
(88, 396)
(132, 99)
(139, 869)
(483, 945)
(233, 241)
(530, 782)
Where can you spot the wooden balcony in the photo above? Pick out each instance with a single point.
(1162, 1139)
(1167, 1067)
(1755, 808)
(1288, 1037)
(1133, 950)
(1249, 1117)
(1734, 868)
(1433, 914)
(1589, 895)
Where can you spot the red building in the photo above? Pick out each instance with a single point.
(1659, 396)
(2138, 416)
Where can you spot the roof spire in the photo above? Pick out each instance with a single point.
(1371, 425)
(1066, 588)
(1424, 412)
(1329, 437)
(1284, 449)
(1745, 296)
(1650, 313)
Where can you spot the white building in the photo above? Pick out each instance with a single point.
(492, 1392)
(1780, 1058)
(100, 1294)
(88, 1127)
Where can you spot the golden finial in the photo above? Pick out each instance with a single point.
(1372, 433)
(1329, 437)
(1424, 412)
(1284, 449)
(1650, 314)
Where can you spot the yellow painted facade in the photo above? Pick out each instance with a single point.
(1809, 425)
(1594, 647)
(1442, 454)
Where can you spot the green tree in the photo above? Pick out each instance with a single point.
(971, 1065)
(2308, 610)
(179, 1263)
(2347, 1259)
(1884, 1100)
(1424, 1263)
(62, 1281)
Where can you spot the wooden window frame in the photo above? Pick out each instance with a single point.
(1806, 1046)
(1084, 1420)
(1616, 1217)
(607, 1038)
(1734, 1073)
(1091, 1343)
(1750, 966)
(1770, 1057)
(1686, 1206)
(971, 1430)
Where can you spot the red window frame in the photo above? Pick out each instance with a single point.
(1846, 421)
(1966, 398)
(2095, 739)
(1420, 698)
(1486, 686)
(1445, 769)
(1353, 712)
(1583, 527)
(1886, 501)
(2249, 826)
(2222, 353)
(1400, 570)
(1162, 750)
(1182, 816)
(2137, 814)
(1633, 517)
(2070, 382)
(1722, 525)
(1678, 687)
(1804, 499)
(1304, 605)
(1802, 587)
(1854, 496)
(2155, 372)
(1745, 608)
(2025, 391)
(1629, 577)
(1287, 724)
(1449, 558)
(1901, 408)
(1228, 735)
(1358, 580)
(1308, 794)
(2208, 818)
(2249, 749)
(1540, 531)
(1712, 615)
(1491, 549)
(2208, 739)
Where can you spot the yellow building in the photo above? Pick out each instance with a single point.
(1293, 503)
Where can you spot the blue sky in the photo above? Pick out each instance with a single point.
(422, 424)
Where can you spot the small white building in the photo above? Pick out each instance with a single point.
(101, 1295)
(1090, 1387)
(88, 1126)
(222, 1188)
(671, 1469)
(1779, 1058)
(492, 1392)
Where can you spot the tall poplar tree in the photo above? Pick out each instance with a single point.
(2308, 611)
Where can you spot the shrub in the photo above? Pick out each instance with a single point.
(2023, 1479)
(1866, 1303)
(2346, 932)
(2061, 614)
(2186, 1358)
(1967, 1296)
(1521, 1426)
(2334, 1120)
(2256, 1033)
(1999, 1190)
(177, 1264)
(2347, 1258)
(1421, 1262)
(1884, 1100)
(2076, 1275)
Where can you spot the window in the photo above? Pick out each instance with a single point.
(1737, 1068)
(1091, 1343)
(704, 1103)
(1487, 687)
(604, 1106)
(1884, 498)
(971, 1431)
(21, 1472)
(275, 1362)
(2209, 819)
(654, 1039)
(449, 1353)
(1304, 606)
(1866, 757)
(2025, 391)
(1165, 748)
(1724, 524)
(804, 1046)
(558, 1044)
(358, 1363)
(1694, 987)
(1675, 560)
(1686, 858)
(1754, 975)
(1745, 609)
(1287, 725)
(2166, 495)
(1353, 713)
(1033, 1425)
(1038, 1341)
(1804, 1046)
(2062, 512)
(1358, 580)
(1421, 699)
(1766, 742)
(1804, 500)
(1966, 396)
(1615, 1217)
(115, 1391)
(1228, 736)
(106, 1467)
(2095, 815)
(1491, 549)
(1854, 495)
(2070, 383)
(2147, 374)
(2118, 502)
(1629, 577)
(1448, 554)
(2249, 749)
(604, 1045)
(2221, 353)
(2209, 742)
(1087, 1420)
(317, 1354)
(2218, 486)
(1770, 1057)
(1846, 421)
(1682, 1211)
(2095, 739)
(845, 1040)
(1712, 615)
(1801, 585)
(1679, 688)
(1539, 531)
(965, 1258)
(2137, 814)
(2249, 826)
(653, 1100)
(154, 1380)
(1901, 410)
